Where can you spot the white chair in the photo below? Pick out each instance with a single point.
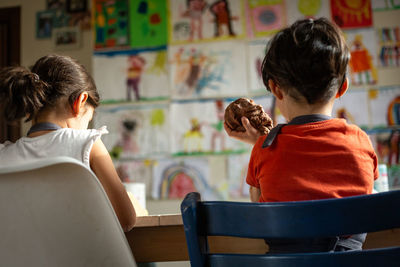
(54, 212)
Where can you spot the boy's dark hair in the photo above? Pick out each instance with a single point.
(24, 92)
(308, 59)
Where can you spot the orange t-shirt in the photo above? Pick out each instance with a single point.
(318, 160)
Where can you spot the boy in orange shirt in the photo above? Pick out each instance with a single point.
(314, 156)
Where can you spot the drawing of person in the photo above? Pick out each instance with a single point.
(222, 17)
(361, 62)
(135, 71)
(127, 143)
(193, 139)
(195, 9)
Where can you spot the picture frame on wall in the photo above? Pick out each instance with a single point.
(44, 24)
(67, 38)
(76, 6)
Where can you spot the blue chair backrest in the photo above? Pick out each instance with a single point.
(302, 219)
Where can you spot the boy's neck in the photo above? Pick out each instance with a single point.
(294, 109)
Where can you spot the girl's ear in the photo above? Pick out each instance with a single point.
(79, 103)
(343, 89)
(275, 89)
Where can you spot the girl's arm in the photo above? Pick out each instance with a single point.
(103, 167)
(255, 194)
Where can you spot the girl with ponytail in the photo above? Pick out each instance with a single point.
(59, 96)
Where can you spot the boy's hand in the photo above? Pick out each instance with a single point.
(250, 136)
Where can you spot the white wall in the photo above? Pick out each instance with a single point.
(32, 48)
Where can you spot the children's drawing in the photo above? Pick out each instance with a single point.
(352, 14)
(211, 70)
(136, 65)
(264, 17)
(303, 9)
(237, 173)
(148, 23)
(384, 106)
(256, 52)
(386, 143)
(173, 179)
(199, 128)
(362, 44)
(202, 20)
(353, 107)
(111, 23)
(383, 5)
(135, 131)
(129, 77)
(135, 171)
(389, 46)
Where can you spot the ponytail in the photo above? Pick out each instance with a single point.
(22, 93)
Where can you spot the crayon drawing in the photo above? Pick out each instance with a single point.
(256, 51)
(134, 131)
(212, 70)
(173, 179)
(237, 173)
(303, 9)
(135, 171)
(132, 77)
(353, 107)
(201, 20)
(110, 23)
(351, 14)
(384, 106)
(200, 129)
(389, 46)
(148, 23)
(386, 143)
(362, 44)
(264, 17)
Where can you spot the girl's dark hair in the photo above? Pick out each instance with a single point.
(307, 59)
(23, 92)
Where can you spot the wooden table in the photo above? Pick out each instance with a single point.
(161, 238)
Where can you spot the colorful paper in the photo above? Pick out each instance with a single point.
(199, 129)
(352, 14)
(110, 23)
(264, 17)
(201, 20)
(132, 77)
(208, 70)
(173, 179)
(363, 60)
(389, 46)
(304, 9)
(148, 23)
(135, 131)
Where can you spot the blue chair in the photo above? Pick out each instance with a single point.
(303, 219)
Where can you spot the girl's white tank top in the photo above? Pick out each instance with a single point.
(63, 142)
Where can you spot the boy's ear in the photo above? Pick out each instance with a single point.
(79, 103)
(343, 89)
(275, 89)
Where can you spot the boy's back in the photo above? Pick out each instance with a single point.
(324, 159)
